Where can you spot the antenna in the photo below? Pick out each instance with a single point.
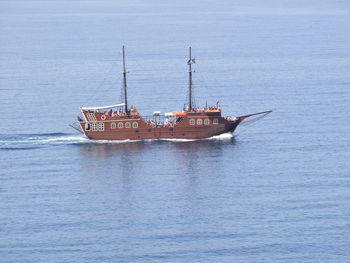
(124, 82)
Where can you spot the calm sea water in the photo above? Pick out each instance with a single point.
(277, 191)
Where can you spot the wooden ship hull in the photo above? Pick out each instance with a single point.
(119, 122)
(191, 126)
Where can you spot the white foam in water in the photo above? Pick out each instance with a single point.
(76, 140)
(174, 140)
(37, 140)
(64, 139)
(80, 139)
(224, 136)
(83, 139)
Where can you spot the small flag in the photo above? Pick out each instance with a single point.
(191, 61)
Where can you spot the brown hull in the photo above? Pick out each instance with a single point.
(191, 126)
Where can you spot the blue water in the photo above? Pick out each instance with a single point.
(276, 191)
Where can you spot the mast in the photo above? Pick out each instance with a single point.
(124, 82)
(190, 84)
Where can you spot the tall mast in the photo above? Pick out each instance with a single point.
(124, 82)
(190, 84)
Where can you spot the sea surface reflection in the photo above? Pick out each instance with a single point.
(148, 183)
(126, 157)
(153, 169)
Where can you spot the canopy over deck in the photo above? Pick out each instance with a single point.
(103, 107)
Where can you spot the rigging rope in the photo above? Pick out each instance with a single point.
(99, 90)
(248, 123)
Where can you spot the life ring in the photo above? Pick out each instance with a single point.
(103, 117)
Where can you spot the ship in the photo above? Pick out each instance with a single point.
(121, 122)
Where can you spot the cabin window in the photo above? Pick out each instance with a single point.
(199, 121)
(101, 126)
(192, 121)
(127, 125)
(120, 125)
(206, 122)
(94, 126)
(215, 121)
(113, 125)
(87, 126)
(91, 116)
(135, 124)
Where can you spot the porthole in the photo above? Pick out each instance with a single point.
(113, 125)
(120, 125)
(135, 124)
(199, 121)
(215, 121)
(192, 121)
(127, 125)
(206, 122)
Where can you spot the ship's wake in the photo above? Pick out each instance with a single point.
(33, 141)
